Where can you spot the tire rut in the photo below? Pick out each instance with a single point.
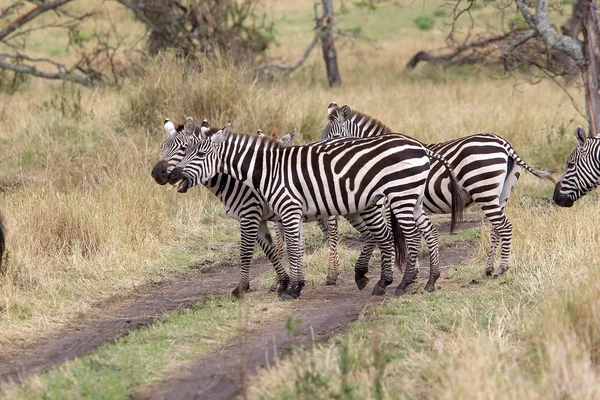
(321, 313)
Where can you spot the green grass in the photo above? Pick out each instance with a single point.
(116, 371)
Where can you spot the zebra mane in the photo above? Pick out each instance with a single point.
(361, 116)
(265, 140)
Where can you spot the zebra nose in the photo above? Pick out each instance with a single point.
(159, 173)
(175, 175)
(560, 199)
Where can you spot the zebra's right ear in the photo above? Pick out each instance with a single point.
(580, 135)
(190, 126)
(259, 132)
(345, 113)
(221, 135)
(204, 128)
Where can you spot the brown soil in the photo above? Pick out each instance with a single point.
(326, 309)
(322, 313)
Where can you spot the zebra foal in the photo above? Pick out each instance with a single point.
(335, 177)
(582, 172)
(486, 165)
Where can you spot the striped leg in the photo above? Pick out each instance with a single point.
(265, 241)
(280, 239)
(430, 233)
(369, 243)
(405, 214)
(292, 225)
(494, 240)
(333, 271)
(503, 229)
(381, 233)
(249, 232)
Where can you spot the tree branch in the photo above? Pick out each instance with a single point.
(293, 67)
(541, 23)
(61, 75)
(30, 15)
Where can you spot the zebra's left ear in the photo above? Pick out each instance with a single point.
(169, 127)
(221, 135)
(287, 139)
(345, 113)
(190, 126)
(580, 135)
(204, 128)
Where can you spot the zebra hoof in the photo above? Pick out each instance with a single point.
(286, 297)
(399, 292)
(283, 285)
(430, 287)
(238, 293)
(362, 282)
(274, 287)
(488, 272)
(331, 280)
(378, 291)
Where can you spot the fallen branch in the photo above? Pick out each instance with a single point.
(67, 75)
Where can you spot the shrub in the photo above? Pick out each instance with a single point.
(424, 22)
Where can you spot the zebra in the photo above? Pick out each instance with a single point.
(582, 172)
(486, 165)
(334, 177)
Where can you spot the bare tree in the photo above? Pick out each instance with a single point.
(18, 20)
(329, 53)
(537, 44)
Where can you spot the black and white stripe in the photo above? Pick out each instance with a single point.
(582, 172)
(240, 202)
(486, 165)
(335, 177)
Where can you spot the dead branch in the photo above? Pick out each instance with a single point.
(63, 74)
(297, 64)
(30, 15)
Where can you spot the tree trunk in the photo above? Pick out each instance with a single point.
(329, 54)
(591, 70)
(572, 28)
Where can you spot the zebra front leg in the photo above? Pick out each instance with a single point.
(279, 240)
(265, 241)
(494, 240)
(362, 264)
(292, 226)
(249, 232)
(430, 234)
(333, 271)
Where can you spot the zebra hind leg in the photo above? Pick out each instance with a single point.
(249, 232)
(369, 243)
(378, 228)
(503, 228)
(265, 241)
(293, 238)
(430, 233)
(333, 271)
(413, 238)
(494, 240)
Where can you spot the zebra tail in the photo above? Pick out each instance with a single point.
(546, 173)
(399, 241)
(459, 195)
(2, 244)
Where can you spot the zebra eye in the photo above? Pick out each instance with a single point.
(201, 154)
(570, 164)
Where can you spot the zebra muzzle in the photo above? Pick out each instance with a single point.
(182, 185)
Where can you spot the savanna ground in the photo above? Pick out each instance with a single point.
(88, 227)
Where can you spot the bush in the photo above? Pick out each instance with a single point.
(424, 22)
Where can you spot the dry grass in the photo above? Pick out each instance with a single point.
(85, 221)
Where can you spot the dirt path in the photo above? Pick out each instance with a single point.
(322, 312)
(113, 319)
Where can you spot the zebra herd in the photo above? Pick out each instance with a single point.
(357, 169)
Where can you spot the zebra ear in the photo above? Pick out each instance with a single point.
(580, 135)
(333, 110)
(221, 135)
(287, 139)
(169, 127)
(345, 113)
(190, 126)
(259, 132)
(204, 128)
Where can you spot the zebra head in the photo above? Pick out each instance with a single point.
(173, 149)
(199, 163)
(582, 173)
(336, 127)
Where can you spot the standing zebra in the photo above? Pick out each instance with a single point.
(241, 202)
(486, 165)
(336, 177)
(582, 173)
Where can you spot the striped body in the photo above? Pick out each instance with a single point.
(240, 202)
(582, 172)
(486, 166)
(336, 177)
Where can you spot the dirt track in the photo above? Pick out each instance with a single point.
(326, 309)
